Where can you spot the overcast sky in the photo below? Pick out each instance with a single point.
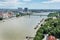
(33, 4)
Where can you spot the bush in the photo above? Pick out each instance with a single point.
(17, 15)
(51, 27)
(38, 36)
(55, 32)
(1, 18)
(53, 14)
(55, 24)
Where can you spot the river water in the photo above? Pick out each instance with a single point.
(19, 28)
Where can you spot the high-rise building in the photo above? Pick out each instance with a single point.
(20, 9)
(25, 9)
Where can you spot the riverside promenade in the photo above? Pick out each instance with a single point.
(36, 28)
(39, 24)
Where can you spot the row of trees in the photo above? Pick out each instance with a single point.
(54, 14)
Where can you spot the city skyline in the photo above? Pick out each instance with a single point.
(31, 4)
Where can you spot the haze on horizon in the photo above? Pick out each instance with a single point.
(32, 4)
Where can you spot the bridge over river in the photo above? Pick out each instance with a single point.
(38, 14)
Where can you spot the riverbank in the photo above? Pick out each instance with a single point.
(36, 28)
(51, 26)
(39, 35)
(39, 24)
(4, 19)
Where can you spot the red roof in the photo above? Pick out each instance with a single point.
(51, 37)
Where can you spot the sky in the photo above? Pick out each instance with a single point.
(31, 4)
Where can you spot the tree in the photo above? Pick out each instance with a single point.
(17, 15)
(55, 24)
(55, 32)
(1, 18)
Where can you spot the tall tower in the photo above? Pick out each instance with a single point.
(25, 9)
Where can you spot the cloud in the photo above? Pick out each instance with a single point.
(56, 0)
(27, 0)
(51, 1)
(10, 3)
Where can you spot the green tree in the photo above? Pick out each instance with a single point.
(1, 18)
(17, 15)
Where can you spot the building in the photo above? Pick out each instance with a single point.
(7, 15)
(20, 9)
(51, 37)
(25, 9)
(10, 14)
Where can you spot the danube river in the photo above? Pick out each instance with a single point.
(19, 28)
